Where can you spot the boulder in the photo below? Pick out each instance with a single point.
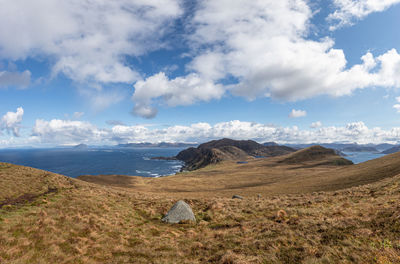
(181, 211)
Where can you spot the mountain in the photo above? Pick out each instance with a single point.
(315, 154)
(359, 148)
(81, 146)
(346, 147)
(227, 149)
(157, 145)
(269, 144)
(391, 150)
(384, 146)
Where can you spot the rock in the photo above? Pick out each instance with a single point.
(237, 197)
(259, 196)
(163, 158)
(181, 211)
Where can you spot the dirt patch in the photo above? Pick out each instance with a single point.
(26, 198)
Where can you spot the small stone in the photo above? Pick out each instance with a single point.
(181, 211)
(237, 197)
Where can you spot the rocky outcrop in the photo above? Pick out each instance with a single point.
(163, 158)
(181, 211)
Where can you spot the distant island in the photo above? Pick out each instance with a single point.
(157, 145)
(81, 146)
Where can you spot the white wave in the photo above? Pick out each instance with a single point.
(143, 172)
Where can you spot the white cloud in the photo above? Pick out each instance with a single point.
(11, 121)
(78, 115)
(297, 113)
(88, 41)
(316, 124)
(397, 106)
(18, 79)
(65, 132)
(348, 11)
(264, 47)
(179, 91)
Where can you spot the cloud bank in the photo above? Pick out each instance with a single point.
(67, 132)
(246, 48)
(262, 49)
(87, 41)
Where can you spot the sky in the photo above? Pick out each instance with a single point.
(109, 72)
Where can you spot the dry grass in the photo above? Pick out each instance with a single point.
(260, 176)
(88, 223)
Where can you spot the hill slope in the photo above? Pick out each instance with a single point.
(315, 154)
(391, 150)
(227, 149)
(269, 177)
(88, 223)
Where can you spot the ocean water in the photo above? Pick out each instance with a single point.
(123, 161)
(95, 161)
(359, 157)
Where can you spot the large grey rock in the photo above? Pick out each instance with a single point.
(237, 197)
(181, 211)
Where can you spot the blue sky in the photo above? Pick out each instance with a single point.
(150, 71)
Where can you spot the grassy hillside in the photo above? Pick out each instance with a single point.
(83, 222)
(314, 170)
(216, 151)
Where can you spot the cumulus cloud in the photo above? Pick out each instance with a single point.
(17, 79)
(349, 11)
(179, 91)
(297, 113)
(88, 41)
(59, 131)
(65, 132)
(11, 121)
(316, 124)
(262, 49)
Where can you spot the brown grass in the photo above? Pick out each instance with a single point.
(267, 177)
(90, 223)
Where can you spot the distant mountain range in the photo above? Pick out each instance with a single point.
(157, 145)
(81, 146)
(391, 150)
(384, 148)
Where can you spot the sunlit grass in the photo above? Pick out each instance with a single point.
(89, 223)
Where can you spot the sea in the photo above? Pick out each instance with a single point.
(359, 157)
(113, 160)
(95, 161)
